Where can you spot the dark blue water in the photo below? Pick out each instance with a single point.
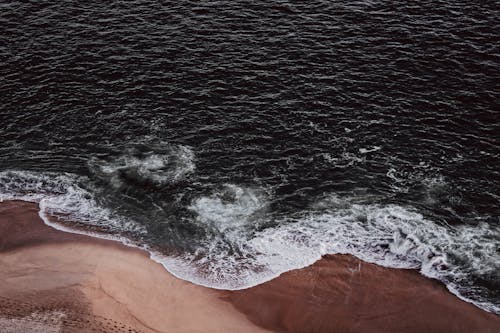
(240, 139)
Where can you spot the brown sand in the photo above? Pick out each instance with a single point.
(341, 293)
(73, 283)
(98, 285)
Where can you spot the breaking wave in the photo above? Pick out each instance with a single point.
(147, 164)
(387, 235)
(247, 243)
(64, 197)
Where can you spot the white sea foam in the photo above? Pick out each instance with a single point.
(231, 208)
(239, 254)
(61, 196)
(369, 150)
(344, 160)
(420, 174)
(388, 235)
(164, 166)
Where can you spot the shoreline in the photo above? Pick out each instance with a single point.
(80, 282)
(98, 285)
(159, 258)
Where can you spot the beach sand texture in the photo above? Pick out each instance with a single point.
(53, 281)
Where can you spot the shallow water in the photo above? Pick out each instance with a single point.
(242, 139)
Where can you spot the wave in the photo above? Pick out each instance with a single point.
(388, 235)
(153, 164)
(231, 208)
(248, 244)
(63, 197)
(344, 160)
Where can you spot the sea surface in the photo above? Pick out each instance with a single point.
(236, 140)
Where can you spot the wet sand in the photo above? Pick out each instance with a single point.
(52, 281)
(341, 293)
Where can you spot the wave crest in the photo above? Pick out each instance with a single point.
(387, 235)
(246, 243)
(232, 207)
(63, 198)
(154, 165)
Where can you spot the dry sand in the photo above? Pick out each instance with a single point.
(52, 281)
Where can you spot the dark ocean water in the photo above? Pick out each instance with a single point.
(240, 139)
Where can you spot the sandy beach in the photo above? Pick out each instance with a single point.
(52, 281)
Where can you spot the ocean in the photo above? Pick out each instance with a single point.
(237, 140)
